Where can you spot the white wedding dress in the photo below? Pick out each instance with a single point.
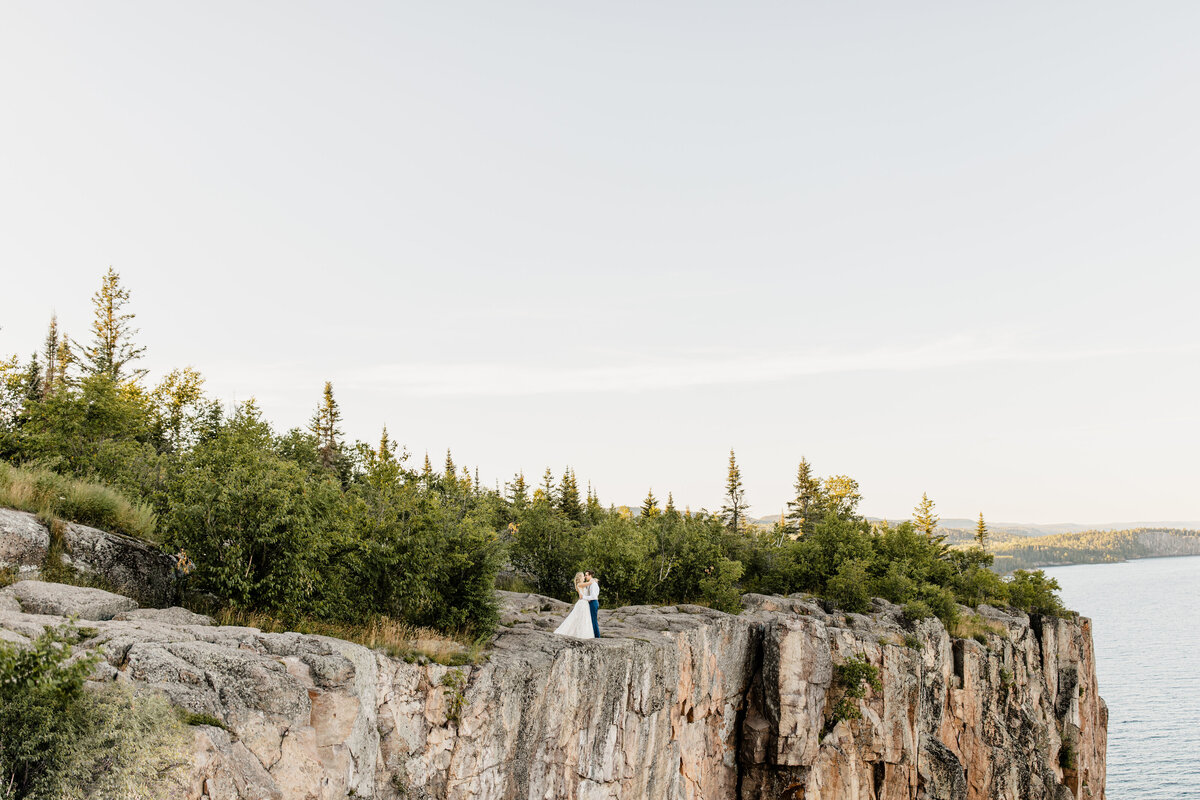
(578, 623)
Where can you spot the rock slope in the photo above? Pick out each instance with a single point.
(675, 702)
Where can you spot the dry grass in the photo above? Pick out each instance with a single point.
(54, 496)
(397, 639)
(973, 626)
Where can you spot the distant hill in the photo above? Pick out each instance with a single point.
(1010, 529)
(1092, 547)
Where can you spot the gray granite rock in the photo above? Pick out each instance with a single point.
(37, 597)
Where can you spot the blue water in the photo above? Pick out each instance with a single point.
(1146, 617)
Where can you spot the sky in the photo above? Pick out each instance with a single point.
(940, 247)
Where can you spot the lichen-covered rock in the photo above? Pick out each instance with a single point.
(168, 616)
(134, 568)
(36, 597)
(674, 703)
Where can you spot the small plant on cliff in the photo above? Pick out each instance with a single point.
(851, 679)
(455, 683)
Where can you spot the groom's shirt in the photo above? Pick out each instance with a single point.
(592, 592)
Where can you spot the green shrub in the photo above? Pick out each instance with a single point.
(851, 679)
(58, 740)
(1034, 593)
(848, 588)
(917, 610)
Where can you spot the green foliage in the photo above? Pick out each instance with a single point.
(192, 718)
(1034, 593)
(851, 679)
(59, 741)
(455, 684)
(849, 587)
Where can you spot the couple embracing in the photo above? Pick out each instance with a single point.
(581, 622)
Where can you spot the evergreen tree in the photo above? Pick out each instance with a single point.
(324, 426)
(670, 509)
(427, 472)
(518, 492)
(981, 532)
(112, 349)
(568, 496)
(449, 471)
(804, 510)
(925, 520)
(545, 493)
(50, 381)
(733, 511)
(650, 506)
(63, 360)
(594, 512)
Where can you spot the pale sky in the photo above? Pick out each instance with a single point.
(940, 247)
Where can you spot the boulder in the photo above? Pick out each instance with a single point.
(167, 616)
(56, 599)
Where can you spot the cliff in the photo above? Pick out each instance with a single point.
(675, 702)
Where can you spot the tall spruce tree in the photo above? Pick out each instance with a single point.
(568, 496)
(924, 518)
(650, 508)
(50, 381)
(733, 510)
(803, 511)
(670, 510)
(518, 492)
(324, 426)
(981, 532)
(112, 349)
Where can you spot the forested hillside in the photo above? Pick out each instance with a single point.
(303, 523)
(1094, 547)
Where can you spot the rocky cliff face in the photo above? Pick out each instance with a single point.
(677, 702)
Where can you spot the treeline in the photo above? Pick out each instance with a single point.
(302, 522)
(1095, 547)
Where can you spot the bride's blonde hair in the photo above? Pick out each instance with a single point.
(578, 580)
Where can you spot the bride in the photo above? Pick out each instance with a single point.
(579, 622)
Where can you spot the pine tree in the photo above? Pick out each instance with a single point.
(63, 360)
(805, 508)
(324, 426)
(544, 493)
(568, 496)
(450, 469)
(594, 511)
(427, 472)
(518, 492)
(733, 511)
(925, 519)
(670, 510)
(650, 506)
(112, 349)
(981, 532)
(50, 382)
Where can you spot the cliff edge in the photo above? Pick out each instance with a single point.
(674, 702)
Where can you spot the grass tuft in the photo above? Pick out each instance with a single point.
(53, 496)
(397, 639)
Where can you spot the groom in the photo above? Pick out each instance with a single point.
(592, 595)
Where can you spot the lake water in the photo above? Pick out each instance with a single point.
(1146, 616)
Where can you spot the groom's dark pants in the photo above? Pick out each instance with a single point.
(594, 606)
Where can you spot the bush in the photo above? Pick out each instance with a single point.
(59, 741)
(849, 587)
(917, 610)
(1034, 593)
